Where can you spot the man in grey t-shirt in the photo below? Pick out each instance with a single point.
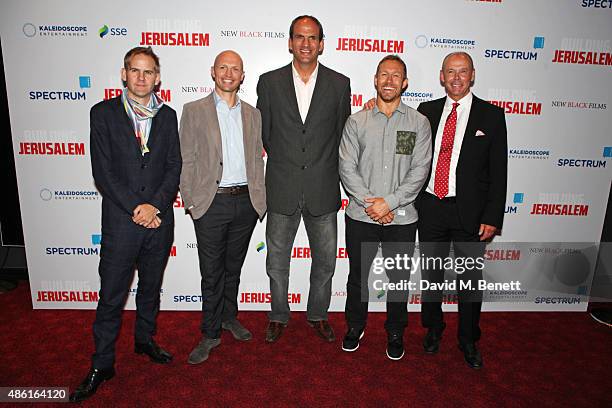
(385, 155)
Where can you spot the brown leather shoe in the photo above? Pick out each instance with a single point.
(274, 331)
(323, 329)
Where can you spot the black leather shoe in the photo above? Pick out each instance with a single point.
(471, 354)
(323, 329)
(431, 342)
(155, 353)
(90, 384)
(274, 331)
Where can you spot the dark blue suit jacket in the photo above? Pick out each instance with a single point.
(123, 176)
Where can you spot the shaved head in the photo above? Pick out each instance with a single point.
(228, 53)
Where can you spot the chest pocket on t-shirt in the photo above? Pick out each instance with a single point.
(405, 141)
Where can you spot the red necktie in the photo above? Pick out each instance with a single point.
(444, 157)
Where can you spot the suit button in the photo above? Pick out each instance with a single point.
(220, 163)
(143, 188)
(217, 181)
(303, 131)
(303, 149)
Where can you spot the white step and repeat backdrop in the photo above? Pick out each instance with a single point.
(547, 62)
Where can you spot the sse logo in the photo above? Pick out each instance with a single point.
(113, 31)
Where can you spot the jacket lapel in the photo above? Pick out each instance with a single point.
(246, 137)
(214, 131)
(318, 95)
(127, 128)
(289, 89)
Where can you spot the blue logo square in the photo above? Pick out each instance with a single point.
(607, 151)
(85, 82)
(538, 42)
(96, 239)
(518, 198)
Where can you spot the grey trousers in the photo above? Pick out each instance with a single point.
(322, 234)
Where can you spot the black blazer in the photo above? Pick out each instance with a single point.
(124, 177)
(303, 157)
(483, 163)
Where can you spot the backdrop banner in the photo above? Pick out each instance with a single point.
(548, 63)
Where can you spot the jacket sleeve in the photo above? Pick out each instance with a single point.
(166, 192)
(110, 184)
(188, 154)
(498, 172)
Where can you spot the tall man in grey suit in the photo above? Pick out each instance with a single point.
(222, 184)
(304, 106)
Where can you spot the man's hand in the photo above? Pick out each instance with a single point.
(486, 232)
(144, 214)
(387, 218)
(369, 105)
(378, 209)
(155, 223)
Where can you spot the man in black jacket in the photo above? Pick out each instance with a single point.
(136, 163)
(304, 106)
(463, 199)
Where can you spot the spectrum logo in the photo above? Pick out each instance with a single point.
(422, 41)
(175, 39)
(522, 55)
(585, 163)
(164, 94)
(597, 4)
(521, 153)
(68, 195)
(253, 34)
(370, 45)
(96, 240)
(607, 151)
(46, 95)
(31, 30)
(518, 198)
(112, 31)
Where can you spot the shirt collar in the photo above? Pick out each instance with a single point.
(401, 108)
(219, 100)
(465, 101)
(313, 76)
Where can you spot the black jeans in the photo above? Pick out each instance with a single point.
(223, 235)
(396, 240)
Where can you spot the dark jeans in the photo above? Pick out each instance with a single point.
(123, 248)
(223, 235)
(361, 240)
(322, 234)
(438, 226)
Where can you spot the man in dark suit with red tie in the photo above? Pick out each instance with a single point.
(136, 164)
(463, 199)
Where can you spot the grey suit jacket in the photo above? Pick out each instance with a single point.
(303, 157)
(201, 146)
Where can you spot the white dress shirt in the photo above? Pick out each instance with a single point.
(463, 113)
(303, 91)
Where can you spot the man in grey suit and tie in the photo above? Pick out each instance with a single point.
(222, 185)
(304, 106)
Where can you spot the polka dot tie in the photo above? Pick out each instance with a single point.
(444, 157)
